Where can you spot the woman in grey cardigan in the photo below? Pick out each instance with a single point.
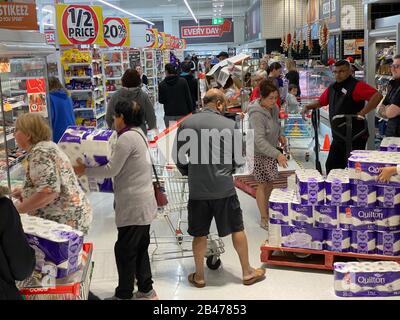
(135, 204)
(264, 120)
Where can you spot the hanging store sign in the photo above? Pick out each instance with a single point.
(36, 90)
(50, 36)
(206, 32)
(330, 14)
(80, 24)
(152, 38)
(161, 40)
(117, 32)
(168, 41)
(182, 44)
(19, 16)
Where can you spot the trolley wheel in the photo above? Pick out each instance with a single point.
(179, 236)
(179, 239)
(307, 157)
(213, 262)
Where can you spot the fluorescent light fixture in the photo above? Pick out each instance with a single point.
(190, 10)
(126, 12)
(47, 10)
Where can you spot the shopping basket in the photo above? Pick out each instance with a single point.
(74, 287)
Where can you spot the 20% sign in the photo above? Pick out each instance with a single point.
(116, 32)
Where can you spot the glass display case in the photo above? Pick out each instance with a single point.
(23, 88)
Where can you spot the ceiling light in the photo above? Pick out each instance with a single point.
(126, 12)
(190, 10)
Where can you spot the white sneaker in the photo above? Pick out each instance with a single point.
(151, 295)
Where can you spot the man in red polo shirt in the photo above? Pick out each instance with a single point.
(346, 96)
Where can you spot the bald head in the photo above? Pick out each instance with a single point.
(213, 97)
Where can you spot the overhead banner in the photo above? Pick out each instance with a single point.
(206, 32)
(20, 16)
(152, 38)
(161, 40)
(80, 24)
(168, 41)
(332, 14)
(117, 32)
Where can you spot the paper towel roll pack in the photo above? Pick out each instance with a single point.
(363, 241)
(388, 243)
(391, 144)
(337, 188)
(388, 197)
(279, 206)
(311, 187)
(95, 147)
(365, 280)
(326, 217)
(363, 195)
(57, 247)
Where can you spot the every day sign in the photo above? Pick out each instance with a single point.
(20, 16)
(117, 32)
(80, 24)
(206, 32)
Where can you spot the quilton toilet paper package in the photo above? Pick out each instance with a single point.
(388, 243)
(337, 240)
(95, 147)
(345, 218)
(366, 166)
(366, 279)
(311, 187)
(363, 241)
(295, 237)
(390, 221)
(326, 217)
(391, 144)
(302, 216)
(363, 195)
(57, 247)
(279, 206)
(388, 197)
(366, 218)
(337, 188)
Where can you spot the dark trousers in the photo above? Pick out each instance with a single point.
(337, 158)
(132, 260)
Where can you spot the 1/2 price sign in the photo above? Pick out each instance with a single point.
(116, 32)
(80, 24)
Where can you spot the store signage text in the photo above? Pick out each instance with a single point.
(21, 16)
(116, 32)
(206, 31)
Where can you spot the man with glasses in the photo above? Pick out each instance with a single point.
(346, 96)
(390, 107)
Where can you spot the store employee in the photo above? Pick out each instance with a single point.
(346, 96)
(390, 107)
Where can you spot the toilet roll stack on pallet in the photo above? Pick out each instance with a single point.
(340, 217)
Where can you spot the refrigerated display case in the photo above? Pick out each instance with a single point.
(23, 88)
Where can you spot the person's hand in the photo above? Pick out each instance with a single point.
(386, 173)
(79, 168)
(17, 194)
(304, 112)
(282, 161)
(283, 141)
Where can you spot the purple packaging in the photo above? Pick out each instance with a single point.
(388, 243)
(312, 192)
(306, 238)
(345, 218)
(363, 241)
(338, 240)
(363, 195)
(366, 218)
(337, 193)
(390, 144)
(326, 217)
(279, 206)
(390, 220)
(388, 197)
(302, 216)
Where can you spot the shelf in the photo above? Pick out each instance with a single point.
(99, 100)
(79, 78)
(110, 92)
(114, 78)
(98, 76)
(114, 64)
(101, 115)
(18, 91)
(96, 60)
(26, 78)
(13, 105)
(80, 91)
(78, 64)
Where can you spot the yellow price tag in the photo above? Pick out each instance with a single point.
(67, 80)
(7, 107)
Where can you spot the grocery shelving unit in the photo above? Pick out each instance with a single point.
(83, 77)
(151, 70)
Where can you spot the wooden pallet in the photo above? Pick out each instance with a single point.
(319, 259)
(249, 185)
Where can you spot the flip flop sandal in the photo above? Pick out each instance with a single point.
(194, 282)
(259, 275)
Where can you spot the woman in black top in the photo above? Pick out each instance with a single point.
(293, 75)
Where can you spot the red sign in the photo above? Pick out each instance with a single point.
(116, 32)
(50, 36)
(36, 89)
(208, 31)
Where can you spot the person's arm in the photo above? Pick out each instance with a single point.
(150, 115)
(161, 94)
(123, 149)
(19, 255)
(260, 140)
(111, 111)
(392, 111)
(37, 201)
(364, 92)
(386, 173)
(179, 157)
(145, 80)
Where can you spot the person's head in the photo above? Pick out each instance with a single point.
(215, 99)
(395, 67)
(274, 70)
(139, 69)
(342, 70)
(55, 84)
(127, 114)
(30, 129)
(293, 89)
(290, 65)
(186, 67)
(131, 79)
(222, 56)
(259, 76)
(263, 65)
(269, 94)
(170, 70)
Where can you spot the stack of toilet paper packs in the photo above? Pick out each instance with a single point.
(391, 144)
(95, 147)
(366, 279)
(339, 213)
(57, 247)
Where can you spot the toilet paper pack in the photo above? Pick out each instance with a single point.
(95, 147)
(326, 217)
(302, 216)
(359, 280)
(388, 197)
(337, 188)
(388, 243)
(279, 206)
(345, 217)
(390, 220)
(306, 238)
(363, 195)
(337, 240)
(391, 144)
(363, 241)
(367, 218)
(311, 187)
